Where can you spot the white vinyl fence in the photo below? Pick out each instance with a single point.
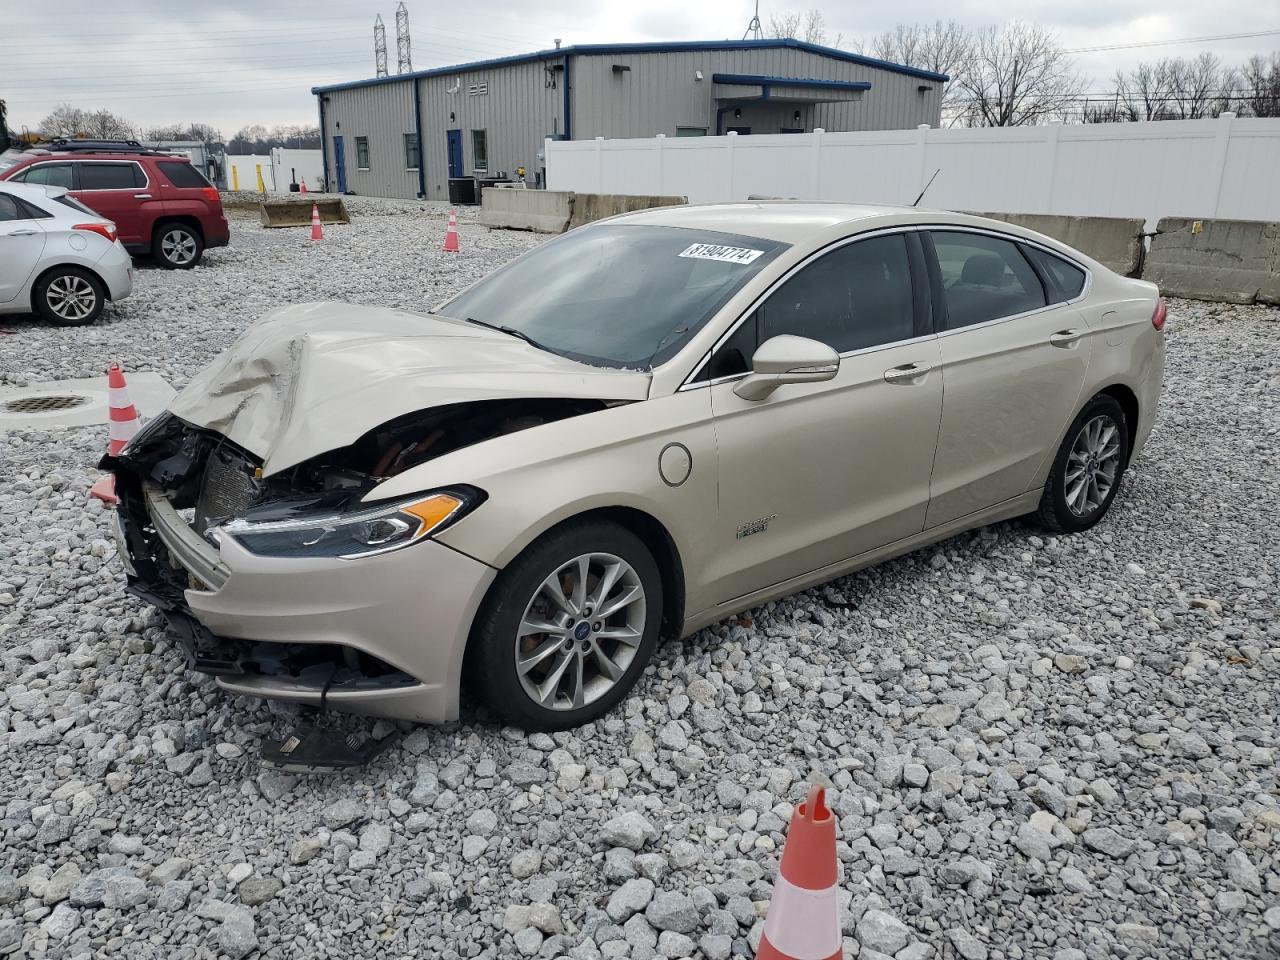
(1220, 168)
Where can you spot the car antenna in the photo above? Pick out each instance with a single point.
(926, 187)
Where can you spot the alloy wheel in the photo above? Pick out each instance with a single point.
(580, 631)
(178, 247)
(71, 297)
(1092, 465)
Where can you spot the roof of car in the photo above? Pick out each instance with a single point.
(32, 189)
(784, 220)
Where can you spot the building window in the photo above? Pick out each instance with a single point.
(691, 131)
(362, 153)
(411, 151)
(479, 150)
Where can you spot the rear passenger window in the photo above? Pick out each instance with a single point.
(107, 176)
(9, 209)
(183, 174)
(52, 174)
(1066, 277)
(984, 278)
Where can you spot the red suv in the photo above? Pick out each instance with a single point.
(160, 203)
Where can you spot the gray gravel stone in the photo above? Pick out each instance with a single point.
(671, 910)
(632, 897)
(883, 932)
(630, 830)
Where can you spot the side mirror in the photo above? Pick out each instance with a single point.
(787, 359)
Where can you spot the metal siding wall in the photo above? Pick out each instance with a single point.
(517, 113)
(657, 95)
(659, 92)
(384, 114)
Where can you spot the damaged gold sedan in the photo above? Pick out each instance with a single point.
(628, 433)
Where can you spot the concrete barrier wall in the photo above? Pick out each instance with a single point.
(546, 211)
(554, 211)
(1113, 241)
(1236, 261)
(596, 206)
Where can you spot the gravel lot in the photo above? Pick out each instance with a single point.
(1037, 747)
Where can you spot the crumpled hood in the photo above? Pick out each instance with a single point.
(315, 377)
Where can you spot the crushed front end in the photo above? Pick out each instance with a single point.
(290, 587)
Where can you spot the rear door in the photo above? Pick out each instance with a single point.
(22, 241)
(1013, 364)
(120, 191)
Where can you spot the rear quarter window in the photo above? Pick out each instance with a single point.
(1067, 277)
(183, 174)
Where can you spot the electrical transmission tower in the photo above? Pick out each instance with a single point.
(753, 28)
(405, 64)
(380, 46)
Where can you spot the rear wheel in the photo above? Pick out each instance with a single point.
(1088, 469)
(69, 297)
(568, 627)
(177, 246)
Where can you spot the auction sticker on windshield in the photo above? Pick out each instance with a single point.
(715, 251)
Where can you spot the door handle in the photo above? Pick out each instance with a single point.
(22, 233)
(1066, 338)
(142, 196)
(908, 373)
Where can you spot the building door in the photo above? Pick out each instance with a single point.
(455, 152)
(340, 164)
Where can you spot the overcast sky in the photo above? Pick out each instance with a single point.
(237, 62)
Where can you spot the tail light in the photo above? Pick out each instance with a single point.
(1162, 312)
(210, 194)
(107, 230)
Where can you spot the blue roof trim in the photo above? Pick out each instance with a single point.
(753, 80)
(624, 48)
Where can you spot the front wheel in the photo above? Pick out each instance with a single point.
(1088, 469)
(177, 246)
(568, 627)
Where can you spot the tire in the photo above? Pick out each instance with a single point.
(1094, 451)
(177, 246)
(69, 297)
(520, 595)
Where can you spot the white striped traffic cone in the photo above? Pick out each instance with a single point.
(451, 234)
(803, 922)
(317, 231)
(122, 425)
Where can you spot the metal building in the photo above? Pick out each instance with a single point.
(407, 135)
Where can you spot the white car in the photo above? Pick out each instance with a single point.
(57, 257)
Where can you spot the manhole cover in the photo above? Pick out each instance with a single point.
(44, 404)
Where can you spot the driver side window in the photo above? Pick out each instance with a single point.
(855, 297)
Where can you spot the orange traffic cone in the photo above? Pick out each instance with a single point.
(317, 231)
(803, 922)
(451, 234)
(302, 185)
(122, 424)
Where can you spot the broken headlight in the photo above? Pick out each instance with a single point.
(347, 536)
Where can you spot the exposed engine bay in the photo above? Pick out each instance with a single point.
(209, 481)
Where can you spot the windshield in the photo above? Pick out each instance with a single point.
(10, 157)
(616, 294)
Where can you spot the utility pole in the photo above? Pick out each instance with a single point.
(402, 40)
(380, 46)
(753, 28)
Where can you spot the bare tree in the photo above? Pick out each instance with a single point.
(204, 132)
(69, 121)
(811, 27)
(1018, 75)
(1259, 90)
(941, 47)
(1169, 89)
(257, 139)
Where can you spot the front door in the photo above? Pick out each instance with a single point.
(818, 473)
(340, 164)
(454, 146)
(21, 243)
(1013, 370)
